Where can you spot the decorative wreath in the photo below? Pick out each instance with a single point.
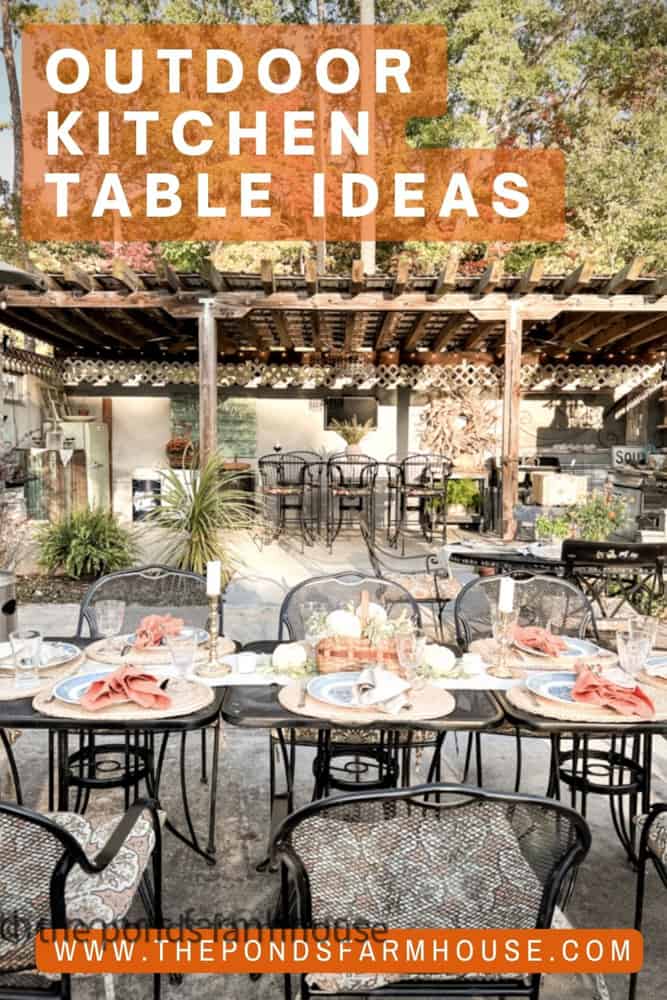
(456, 425)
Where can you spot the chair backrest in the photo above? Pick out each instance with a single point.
(468, 858)
(341, 590)
(148, 590)
(285, 469)
(37, 855)
(541, 600)
(358, 471)
(390, 562)
(425, 469)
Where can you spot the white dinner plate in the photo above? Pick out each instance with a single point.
(129, 640)
(54, 654)
(575, 648)
(72, 689)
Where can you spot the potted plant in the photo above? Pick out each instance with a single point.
(462, 496)
(180, 450)
(195, 512)
(599, 517)
(352, 433)
(86, 544)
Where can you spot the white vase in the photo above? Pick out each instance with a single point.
(353, 449)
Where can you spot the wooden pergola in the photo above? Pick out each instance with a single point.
(441, 319)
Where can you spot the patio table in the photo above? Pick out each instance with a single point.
(138, 737)
(626, 764)
(505, 560)
(258, 707)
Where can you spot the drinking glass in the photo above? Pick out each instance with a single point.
(503, 624)
(633, 649)
(182, 649)
(110, 615)
(410, 648)
(312, 618)
(27, 651)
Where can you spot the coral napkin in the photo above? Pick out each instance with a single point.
(125, 684)
(153, 628)
(539, 639)
(594, 689)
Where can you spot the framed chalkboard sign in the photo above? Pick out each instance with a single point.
(237, 423)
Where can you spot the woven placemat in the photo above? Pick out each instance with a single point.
(659, 682)
(101, 651)
(185, 701)
(521, 662)
(428, 703)
(47, 678)
(525, 700)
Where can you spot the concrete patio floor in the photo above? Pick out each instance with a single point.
(604, 893)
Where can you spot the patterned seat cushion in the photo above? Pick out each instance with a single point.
(657, 837)
(283, 491)
(107, 897)
(351, 491)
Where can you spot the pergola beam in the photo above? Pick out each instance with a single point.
(127, 276)
(530, 278)
(491, 277)
(511, 420)
(446, 280)
(401, 277)
(75, 275)
(388, 330)
(212, 276)
(418, 332)
(449, 331)
(579, 278)
(626, 277)
(357, 277)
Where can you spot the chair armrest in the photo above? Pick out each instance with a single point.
(106, 854)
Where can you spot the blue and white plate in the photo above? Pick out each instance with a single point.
(575, 648)
(54, 654)
(72, 689)
(129, 640)
(335, 689)
(556, 686)
(657, 661)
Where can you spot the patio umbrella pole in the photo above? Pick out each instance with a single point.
(208, 382)
(511, 407)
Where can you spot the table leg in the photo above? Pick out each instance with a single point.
(63, 785)
(213, 793)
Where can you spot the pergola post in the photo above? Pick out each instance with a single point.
(511, 407)
(402, 421)
(208, 382)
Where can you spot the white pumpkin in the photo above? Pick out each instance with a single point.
(439, 660)
(344, 623)
(375, 612)
(289, 656)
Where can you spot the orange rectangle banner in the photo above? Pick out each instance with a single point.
(408, 952)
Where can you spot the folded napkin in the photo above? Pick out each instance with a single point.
(153, 628)
(126, 683)
(597, 689)
(539, 639)
(381, 687)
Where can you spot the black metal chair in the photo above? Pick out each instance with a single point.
(100, 764)
(652, 831)
(436, 856)
(419, 488)
(617, 574)
(431, 584)
(351, 483)
(290, 486)
(541, 600)
(56, 875)
(546, 601)
(147, 590)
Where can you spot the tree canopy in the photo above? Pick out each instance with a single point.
(585, 76)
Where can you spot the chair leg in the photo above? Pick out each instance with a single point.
(204, 761)
(639, 913)
(11, 760)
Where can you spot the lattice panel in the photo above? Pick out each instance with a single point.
(534, 378)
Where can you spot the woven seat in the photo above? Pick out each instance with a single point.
(469, 860)
(61, 870)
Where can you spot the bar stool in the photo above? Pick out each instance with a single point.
(421, 489)
(350, 491)
(287, 489)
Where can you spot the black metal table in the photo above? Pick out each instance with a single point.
(258, 707)
(507, 561)
(623, 769)
(79, 770)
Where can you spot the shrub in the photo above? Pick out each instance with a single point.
(87, 543)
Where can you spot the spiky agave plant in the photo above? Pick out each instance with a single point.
(198, 507)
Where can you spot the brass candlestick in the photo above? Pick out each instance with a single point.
(211, 667)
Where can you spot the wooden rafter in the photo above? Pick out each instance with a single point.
(418, 332)
(212, 276)
(40, 330)
(449, 331)
(402, 276)
(626, 277)
(283, 331)
(491, 277)
(267, 276)
(311, 276)
(620, 329)
(388, 330)
(530, 278)
(446, 280)
(357, 277)
(354, 333)
(579, 278)
(75, 275)
(650, 333)
(479, 335)
(166, 275)
(127, 276)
